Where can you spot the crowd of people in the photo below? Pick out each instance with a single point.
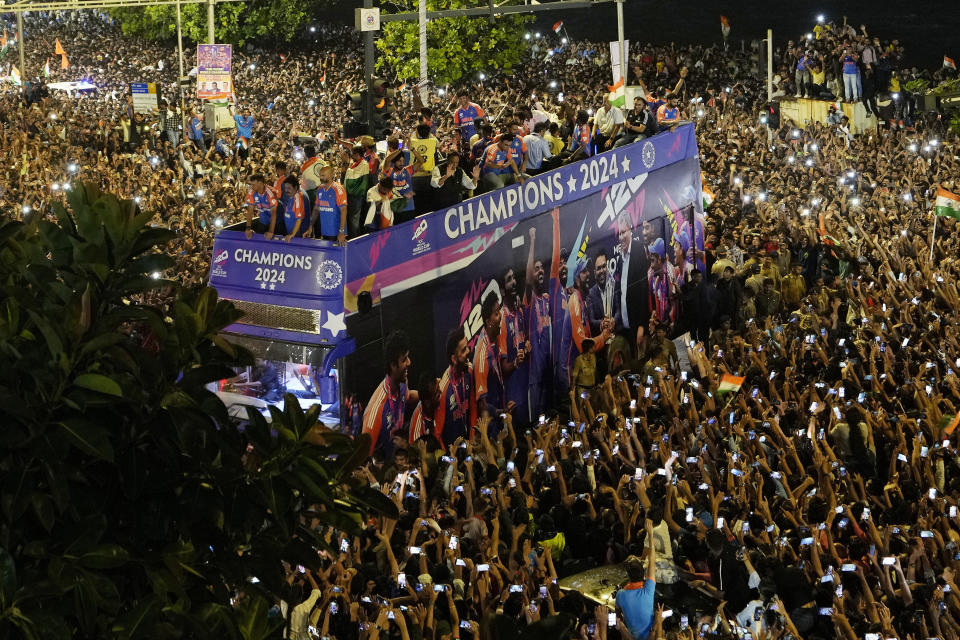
(795, 477)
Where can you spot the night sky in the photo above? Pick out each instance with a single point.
(928, 29)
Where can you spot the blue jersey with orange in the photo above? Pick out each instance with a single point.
(457, 411)
(263, 202)
(494, 154)
(196, 128)
(465, 117)
(476, 151)
(384, 415)
(487, 374)
(582, 136)
(541, 337)
(519, 149)
(421, 424)
(513, 337)
(560, 320)
(667, 114)
(402, 185)
(328, 203)
(295, 208)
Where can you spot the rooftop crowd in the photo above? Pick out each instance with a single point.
(817, 501)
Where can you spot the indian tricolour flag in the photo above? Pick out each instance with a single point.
(730, 383)
(557, 26)
(15, 75)
(948, 204)
(46, 68)
(948, 424)
(618, 97)
(949, 63)
(707, 197)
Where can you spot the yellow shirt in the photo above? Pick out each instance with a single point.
(556, 144)
(426, 147)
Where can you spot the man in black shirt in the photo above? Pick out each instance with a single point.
(640, 123)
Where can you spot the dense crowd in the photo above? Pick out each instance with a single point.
(818, 499)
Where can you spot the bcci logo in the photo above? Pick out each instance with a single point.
(649, 154)
(329, 274)
(421, 228)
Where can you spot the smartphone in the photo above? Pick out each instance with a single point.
(464, 624)
(461, 562)
(826, 611)
(684, 622)
(806, 541)
(689, 514)
(344, 545)
(301, 569)
(334, 608)
(612, 619)
(543, 592)
(813, 406)
(932, 493)
(666, 613)
(865, 516)
(401, 579)
(720, 522)
(926, 534)
(453, 543)
(483, 567)
(889, 561)
(414, 551)
(510, 466)
(633, 404)
(638, 473)
(953, 512)
(848, 567)
(516, 588)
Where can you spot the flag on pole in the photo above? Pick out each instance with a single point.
(323, 78)
(3, 41)
(724, 26)
(402, 88)
(58, 49)
(283, 58)
(947, 204)
(557, 26)
(46, 68)
(15, 75)
(707, 197)
(949, 63)
(730, 383)
(618, 97)
(64, 63)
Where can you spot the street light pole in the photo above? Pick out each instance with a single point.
(769, 65)
(23, 63)
(623, 53)
(422, 18)
(183, 106)
(211, 36)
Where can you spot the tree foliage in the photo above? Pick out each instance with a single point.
(131, 504)
(456, 47)
(236, 22)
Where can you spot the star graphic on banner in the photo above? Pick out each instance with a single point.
(328, 274)
(263, 285)
(572, 183)
(272, 286)
(625, 164)
(334, 323)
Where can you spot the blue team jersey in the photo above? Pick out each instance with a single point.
(263, 203)
(328, 203)
(402, 185)
(196, 129)
(562, 345)
(454, 417)
(541, 338)
(487, 374)
(476, 151)
(295, 208)
(244, 126)
(383, 415)
(513, 333)
(464, 119)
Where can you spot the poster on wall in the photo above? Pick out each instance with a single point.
(214, 71)
(586, 251)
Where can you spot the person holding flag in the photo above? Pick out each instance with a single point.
(724, 29)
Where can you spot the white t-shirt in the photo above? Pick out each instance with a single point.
(666, 570)
(607, 119)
